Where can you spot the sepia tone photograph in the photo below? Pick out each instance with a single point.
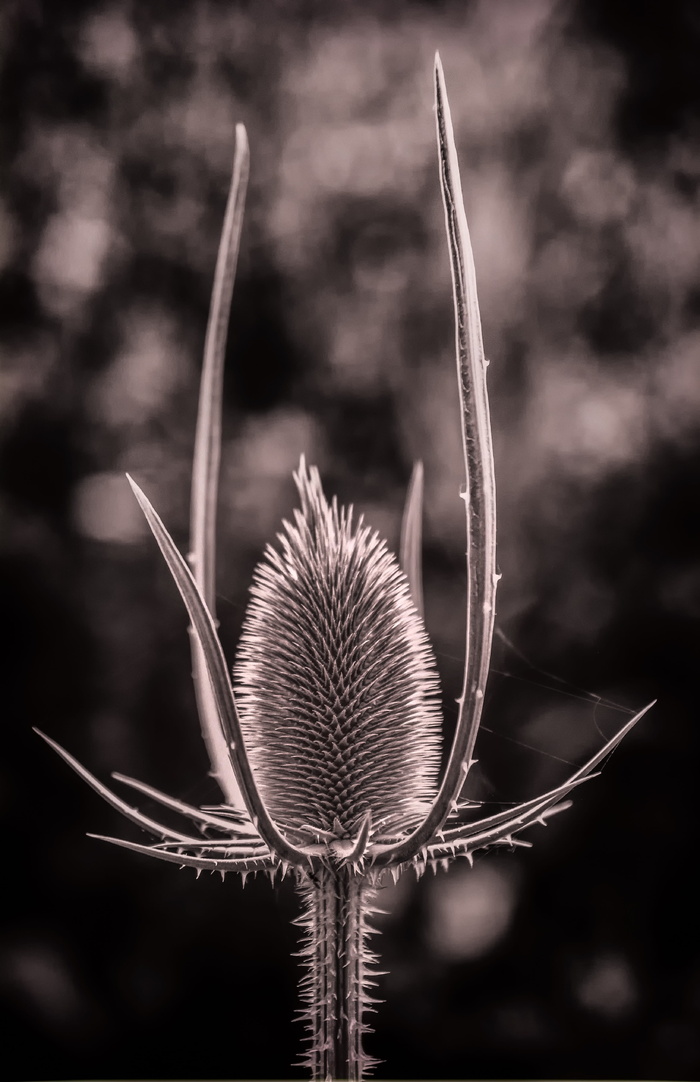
(350, 539)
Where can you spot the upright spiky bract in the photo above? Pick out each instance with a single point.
(332, 739)
(335, 682)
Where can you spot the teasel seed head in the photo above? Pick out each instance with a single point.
(336, 683)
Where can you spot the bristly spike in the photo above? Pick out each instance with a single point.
(336, 682)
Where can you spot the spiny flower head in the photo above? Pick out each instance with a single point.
(336, 683)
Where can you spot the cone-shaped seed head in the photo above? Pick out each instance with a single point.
(336, 683)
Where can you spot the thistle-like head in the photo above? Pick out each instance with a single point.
(330, 745)
(336, 683)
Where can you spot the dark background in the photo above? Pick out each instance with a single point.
(578, 132)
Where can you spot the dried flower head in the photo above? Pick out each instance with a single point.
(327, 754)
(336, 685)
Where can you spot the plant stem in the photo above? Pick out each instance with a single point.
(335, 989)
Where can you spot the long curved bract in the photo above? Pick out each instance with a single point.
(480, 491)
(205, 466)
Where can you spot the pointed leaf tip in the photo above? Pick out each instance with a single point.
(134, 487)
(440, 88)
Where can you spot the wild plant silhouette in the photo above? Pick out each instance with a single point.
(327, 744)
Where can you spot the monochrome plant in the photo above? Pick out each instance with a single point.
(330, 732)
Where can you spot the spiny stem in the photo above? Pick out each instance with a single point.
(335, 990)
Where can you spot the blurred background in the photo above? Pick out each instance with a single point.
(579, 137)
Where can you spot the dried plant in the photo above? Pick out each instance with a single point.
(332, 737)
